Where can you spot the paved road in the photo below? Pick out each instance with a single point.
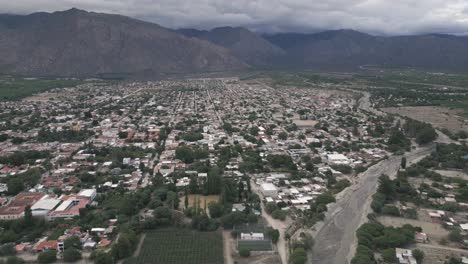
(335, 238)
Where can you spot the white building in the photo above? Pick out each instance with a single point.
(88, 193)
(3, 187)
(252, 236)
(338, 159)
(405, 256)
(44, 206)
(269, 190)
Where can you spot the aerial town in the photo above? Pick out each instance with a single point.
(263, 172)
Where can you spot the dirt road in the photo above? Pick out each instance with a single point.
(139, 246)
(227, 247)
(281, 245)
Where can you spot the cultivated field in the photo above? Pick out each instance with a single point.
(18, 88)
(255, 245)
(440, 117)
(181, 246)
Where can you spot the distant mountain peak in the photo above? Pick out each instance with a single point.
(243, 43)
(73, 11)
(64, 44)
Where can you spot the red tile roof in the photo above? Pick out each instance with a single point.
(27, 198)
(51, 244)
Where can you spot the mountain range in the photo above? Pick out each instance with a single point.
(80, 43)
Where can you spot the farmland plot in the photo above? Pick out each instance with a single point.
(181, 246)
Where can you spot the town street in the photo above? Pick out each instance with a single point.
(281, 226)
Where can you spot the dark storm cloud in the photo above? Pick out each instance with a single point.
(388, 17)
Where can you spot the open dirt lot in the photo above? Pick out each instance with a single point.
(305, 123)
(260, 259)
(42, 97)
(439, 254)
(440, 117)
(453, 174)
(435, 231)
(193, 198)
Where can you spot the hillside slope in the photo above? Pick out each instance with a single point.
(76, 42)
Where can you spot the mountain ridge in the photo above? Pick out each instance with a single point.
(75, 42)
(243, 43)
(339, 49)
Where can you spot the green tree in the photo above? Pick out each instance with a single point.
(122, 248)
(48, 256)
(271, 207)
(310, 166)
(453, 260)
(418, 255)
(455, 236)
(283, 135)
(193, 186)
(426, 135)
(103, 258)
(389, 255)
(244, 252)
(71, 255)
(88, 115)
(162, 216)
(123, 134)
(298, 256)
(15, 185)
(7, 249)
(72, 242)
(341, 185)
(279, 214)
(186, 200)
(274, 234)
(214, 181)
(28, 218)
(185, 154)
(172, 199)
(403, 162)
(14, 260)
(346, 169)
(325, 198)
(216, 209)
(390, 210)
(3, 137)
(387, 187)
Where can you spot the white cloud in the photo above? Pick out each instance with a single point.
(392, 17)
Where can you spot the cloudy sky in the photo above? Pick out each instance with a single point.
(382, 17)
